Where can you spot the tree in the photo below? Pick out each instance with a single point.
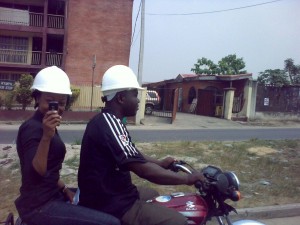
(275, 78)
(292, 70)
(230, 65)
(205, 66)
(23, 92)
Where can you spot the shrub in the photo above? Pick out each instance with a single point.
(23, 92)
(74, 96)
(1, 102)
(9, 100)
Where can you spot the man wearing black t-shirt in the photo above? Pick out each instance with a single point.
(108, 156)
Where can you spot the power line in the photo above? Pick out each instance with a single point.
(137, 35)
(210, 12)
(137, 15)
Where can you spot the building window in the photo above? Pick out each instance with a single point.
(10, 76)
(13, 49)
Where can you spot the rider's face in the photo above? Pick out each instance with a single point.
(47, 97)
(130, 102)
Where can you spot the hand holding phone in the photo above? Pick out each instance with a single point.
(53, 106)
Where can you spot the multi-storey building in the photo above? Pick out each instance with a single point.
(71, 34)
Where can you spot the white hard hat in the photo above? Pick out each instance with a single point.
(119, 78)
(52, 79)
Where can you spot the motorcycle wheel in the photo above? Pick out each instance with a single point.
(247, 222)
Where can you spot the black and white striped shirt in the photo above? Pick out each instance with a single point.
(103, 178)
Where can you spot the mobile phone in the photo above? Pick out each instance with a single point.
(53, 106)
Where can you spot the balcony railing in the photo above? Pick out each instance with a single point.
(26, 18)
(13, 56)
(29, 57)
(53, 59)
(36, 58)
(36, 19)
(55, 21)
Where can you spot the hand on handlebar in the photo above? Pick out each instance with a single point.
(167, 162)
(196, 178)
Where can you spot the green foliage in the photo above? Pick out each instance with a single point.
(9, 100)
(23, 92)
(276, 78)
(74, 96)
(292, 70)
(1, 101)
(205, 66)
(228, 65)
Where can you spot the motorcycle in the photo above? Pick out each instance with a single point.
(209, 200)
(206, 203)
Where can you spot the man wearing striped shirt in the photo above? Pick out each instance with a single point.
(108, 156)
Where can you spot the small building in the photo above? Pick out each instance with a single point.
(224, 96)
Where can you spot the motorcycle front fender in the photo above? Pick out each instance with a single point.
(247, 222)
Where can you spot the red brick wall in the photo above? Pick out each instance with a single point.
(97, 27)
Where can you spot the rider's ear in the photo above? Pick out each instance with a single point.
(121, 97)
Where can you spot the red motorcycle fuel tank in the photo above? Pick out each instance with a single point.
(190, 205)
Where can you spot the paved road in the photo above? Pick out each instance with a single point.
(214, 134)
(74, 134)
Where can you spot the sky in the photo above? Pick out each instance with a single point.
(263, 35)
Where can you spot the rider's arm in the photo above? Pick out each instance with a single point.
(61, 185)
(39, 162)
(165, 163)
(156, 174)
(65, 190)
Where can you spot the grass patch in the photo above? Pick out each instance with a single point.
(73, 161)
(77, 141)
(255, 162)
(268, 170)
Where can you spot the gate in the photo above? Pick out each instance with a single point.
(206, 103)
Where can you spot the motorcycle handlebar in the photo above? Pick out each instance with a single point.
(179, 166)
(216, 181)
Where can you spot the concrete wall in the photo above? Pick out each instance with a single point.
(68, 116)
(267, 116)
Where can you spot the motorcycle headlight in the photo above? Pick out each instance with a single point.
(233, 187)
(232, 180)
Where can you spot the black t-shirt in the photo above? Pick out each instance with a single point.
(36, 189)
(103, 178)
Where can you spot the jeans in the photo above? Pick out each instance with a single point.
(58, 212)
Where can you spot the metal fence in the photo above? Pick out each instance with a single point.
(162, 113)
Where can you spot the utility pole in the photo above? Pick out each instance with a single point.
(93, 67)
(141, 53)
